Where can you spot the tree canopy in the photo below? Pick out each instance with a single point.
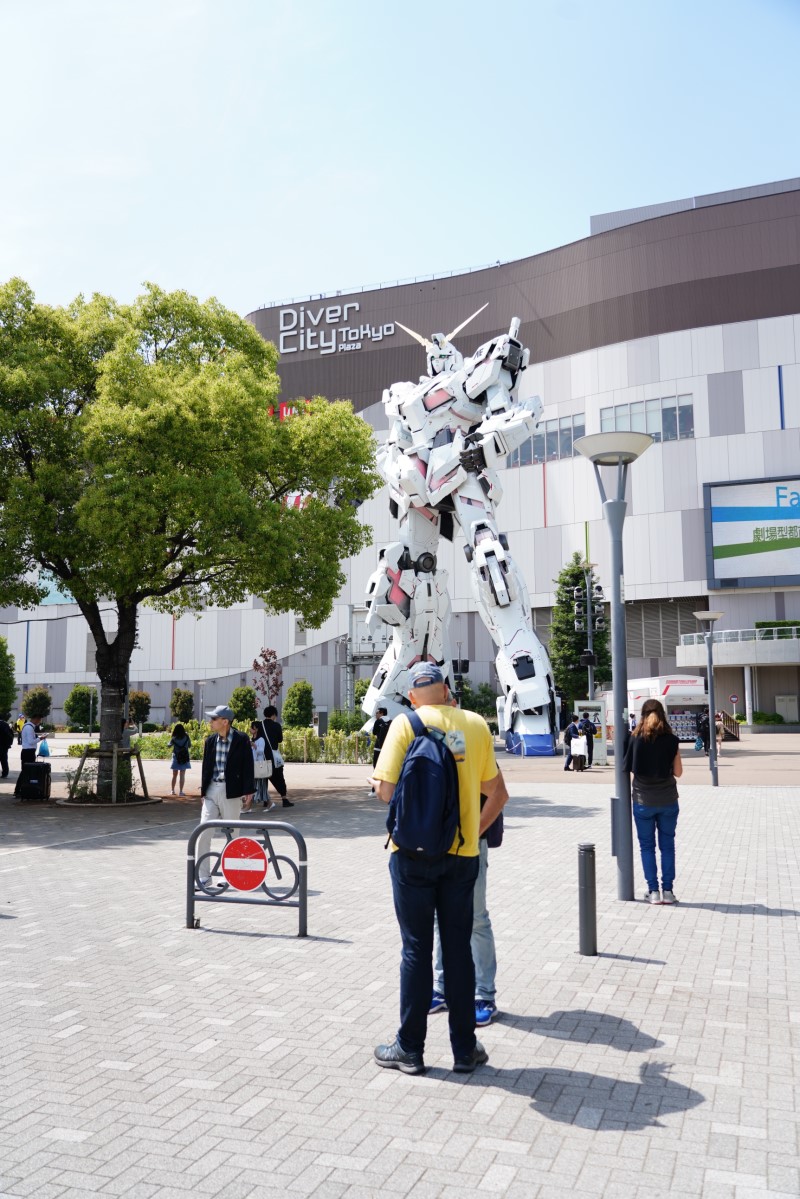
(141, 463)
(8, 681)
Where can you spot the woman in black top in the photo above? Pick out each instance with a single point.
(653, 757)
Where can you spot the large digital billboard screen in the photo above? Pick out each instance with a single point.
(754, 531)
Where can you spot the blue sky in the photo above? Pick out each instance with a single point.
(258, 150)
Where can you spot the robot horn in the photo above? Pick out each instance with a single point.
(463, 324)
(423, 341)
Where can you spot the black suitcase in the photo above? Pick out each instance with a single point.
(578, 762)
(34, 781)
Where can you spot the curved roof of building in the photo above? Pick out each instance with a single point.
(709, 264)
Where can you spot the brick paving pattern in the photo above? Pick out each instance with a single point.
(142, 1059)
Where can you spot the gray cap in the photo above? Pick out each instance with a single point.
(424, 674)
(222, 711)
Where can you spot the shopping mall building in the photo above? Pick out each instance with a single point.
(681, 320)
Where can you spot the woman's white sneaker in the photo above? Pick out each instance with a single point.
(652, 897)
(669, 897)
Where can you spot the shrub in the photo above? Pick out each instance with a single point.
(767, 718)
(296, 742)
(181, 705)
(341, 721)
(348, 747)
(298, 707)
(149, 727)
(243, 703)
(77, 705)
(36, 703)
(8, 682)
(138, 706)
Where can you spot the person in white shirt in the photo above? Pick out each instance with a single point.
(29, 742)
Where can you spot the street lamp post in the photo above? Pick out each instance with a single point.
(618, 449)
(708, 620)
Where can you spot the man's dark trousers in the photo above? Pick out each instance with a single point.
(420, 889)
(4, 760)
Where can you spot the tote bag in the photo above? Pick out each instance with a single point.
(262, 770)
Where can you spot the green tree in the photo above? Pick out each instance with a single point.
(181, 705)
(298, 707)
(36, 703)
(139, 706)
(567, 645)
(243, 703)
(483, 700)
(8, 680)
(361, 689)
(78, 703)
(141, 463)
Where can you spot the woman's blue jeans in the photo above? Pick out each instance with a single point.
(661, 822)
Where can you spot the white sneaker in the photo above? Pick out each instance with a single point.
(652, 897)
(669, 897)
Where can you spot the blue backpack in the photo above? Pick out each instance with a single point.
(424, 813)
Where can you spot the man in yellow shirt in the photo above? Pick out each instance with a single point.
(443, 886)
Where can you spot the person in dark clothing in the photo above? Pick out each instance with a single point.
(227, 782)
(587, 727)
(570, 731)
(653, 757)
(6, 741)
(380, 728)
(704, 729)
(273, 734)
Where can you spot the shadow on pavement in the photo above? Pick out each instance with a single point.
(593, 1101)
(589, 1028)
(741, 909)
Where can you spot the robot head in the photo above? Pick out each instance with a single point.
(443, 357)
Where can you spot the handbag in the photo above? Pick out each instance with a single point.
(698, 744)
(277, 758)
(578, 747)
(44, 748)
(262, 770)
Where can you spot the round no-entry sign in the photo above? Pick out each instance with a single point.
(244, 864)
(734, 699)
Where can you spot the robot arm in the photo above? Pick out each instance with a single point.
(497, 435)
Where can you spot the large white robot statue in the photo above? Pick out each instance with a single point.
(447, 435)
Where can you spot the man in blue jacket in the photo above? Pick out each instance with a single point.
(227, 782)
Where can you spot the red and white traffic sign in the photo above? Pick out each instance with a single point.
(734, 699)
(244, 864)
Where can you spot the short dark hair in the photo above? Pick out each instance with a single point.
(270, 711)
(384, 710)
(586, 716)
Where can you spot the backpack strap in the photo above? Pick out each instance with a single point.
(418, 727)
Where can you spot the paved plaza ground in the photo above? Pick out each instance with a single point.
(142, 1059)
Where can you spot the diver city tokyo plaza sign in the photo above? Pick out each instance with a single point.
(327, 329)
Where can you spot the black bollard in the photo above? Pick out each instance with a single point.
(587, 901)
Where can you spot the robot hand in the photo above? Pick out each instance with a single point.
(472, 457)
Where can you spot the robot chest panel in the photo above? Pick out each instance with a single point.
(450, 408)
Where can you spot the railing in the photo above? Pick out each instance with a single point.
(361, 287)
(723, 636)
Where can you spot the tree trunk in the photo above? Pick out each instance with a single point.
(113, 655)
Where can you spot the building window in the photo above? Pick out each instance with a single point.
(552, 440)
(670, 418)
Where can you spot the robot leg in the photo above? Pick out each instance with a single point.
(410, 594)
(523, 668)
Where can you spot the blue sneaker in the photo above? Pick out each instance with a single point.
(438, 1003)
(485, 1012)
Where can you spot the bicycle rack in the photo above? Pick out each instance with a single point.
(195, 893)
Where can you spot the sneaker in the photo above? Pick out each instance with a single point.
(478, 1057)
(395, 1058)
(485, 1012)
(438, 1003)
(652, 897)
(287, 803)
(669, 897)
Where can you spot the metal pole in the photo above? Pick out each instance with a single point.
(587, 901)
(712, 709)
(587, 574)
(614, 513)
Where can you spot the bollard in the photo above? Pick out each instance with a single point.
(587, 901)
